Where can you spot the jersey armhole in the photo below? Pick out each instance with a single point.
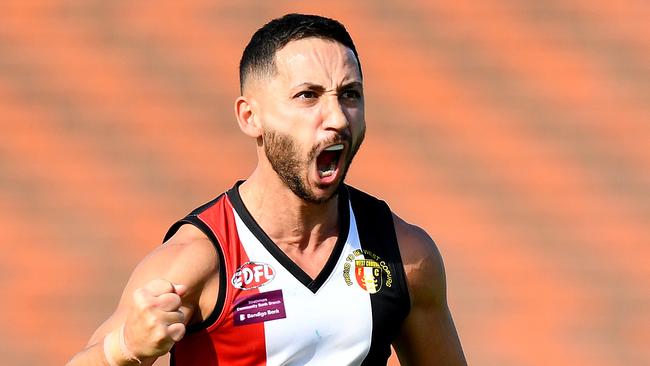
(398, 255)
(221, 295)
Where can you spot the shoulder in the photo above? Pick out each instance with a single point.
(189, 245)
(423, 265)
(188, 253)
(188, 256)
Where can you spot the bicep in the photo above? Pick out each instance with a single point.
(168, 262)
(428, 335)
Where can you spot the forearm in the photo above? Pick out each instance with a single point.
(150, 317)
(99, 353)
(91, 356)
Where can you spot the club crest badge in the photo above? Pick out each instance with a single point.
(367, 270)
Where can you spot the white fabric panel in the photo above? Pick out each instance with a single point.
(331, 327)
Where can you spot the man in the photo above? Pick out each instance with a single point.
(291, 266)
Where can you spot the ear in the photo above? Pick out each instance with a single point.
(246, 117)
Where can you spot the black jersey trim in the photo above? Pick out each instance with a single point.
(193, 219)
(390, 306)
(313, 284)
(174, 228)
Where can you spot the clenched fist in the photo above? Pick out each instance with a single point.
(155, 322)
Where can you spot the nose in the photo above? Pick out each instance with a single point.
(334, 116)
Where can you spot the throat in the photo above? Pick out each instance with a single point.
(311, 258)
(301, 235)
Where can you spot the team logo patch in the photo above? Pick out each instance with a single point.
(371, 273)
(252, 275)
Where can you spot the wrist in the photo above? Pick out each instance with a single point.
(116, 351)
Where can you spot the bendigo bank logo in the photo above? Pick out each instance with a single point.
(252, 275)
(371, 273)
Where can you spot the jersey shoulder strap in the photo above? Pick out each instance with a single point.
(376, 228)
(391, 304)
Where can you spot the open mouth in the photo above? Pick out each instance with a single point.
(328, 160)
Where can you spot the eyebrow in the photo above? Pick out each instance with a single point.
(352, 84)
(320, 88)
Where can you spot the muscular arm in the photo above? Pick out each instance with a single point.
(187, 259)
(428, 335)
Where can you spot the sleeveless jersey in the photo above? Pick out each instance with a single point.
(270, 312)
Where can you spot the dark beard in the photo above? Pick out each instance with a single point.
(282, 153)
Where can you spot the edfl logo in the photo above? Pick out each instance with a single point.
(252, 275)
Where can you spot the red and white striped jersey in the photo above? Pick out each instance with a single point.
(270, 312)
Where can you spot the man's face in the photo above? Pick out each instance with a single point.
(312, 114)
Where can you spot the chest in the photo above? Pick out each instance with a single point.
(301, 315)
(329, 317)
(270, 311)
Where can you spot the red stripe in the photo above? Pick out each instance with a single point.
(223, 343)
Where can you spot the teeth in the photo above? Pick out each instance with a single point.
(328, 171)
(336, 147)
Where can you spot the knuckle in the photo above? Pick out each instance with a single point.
(138, 295)
(151, 321)
(148, 305)
(159, 335)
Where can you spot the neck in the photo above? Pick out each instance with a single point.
(287, 219)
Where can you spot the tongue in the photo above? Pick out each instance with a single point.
(325, 159)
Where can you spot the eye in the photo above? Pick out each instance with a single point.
(306, 94)
(351, 94)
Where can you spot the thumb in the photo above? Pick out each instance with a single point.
(176, 331)
(180, 290)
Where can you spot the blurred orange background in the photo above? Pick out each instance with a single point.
(517, 133)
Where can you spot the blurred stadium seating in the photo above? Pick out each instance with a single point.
(517, 133)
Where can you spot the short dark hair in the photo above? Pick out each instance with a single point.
(259, 55)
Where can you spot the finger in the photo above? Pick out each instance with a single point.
(171, 317)
(181, 290)
(176, 331)
(169, 302)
